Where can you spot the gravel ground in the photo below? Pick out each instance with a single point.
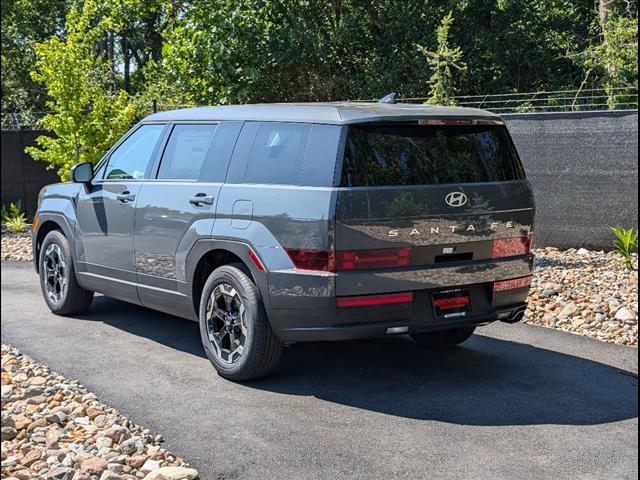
(16, 247)
(54, 429)
(587, 293)
(579, 291)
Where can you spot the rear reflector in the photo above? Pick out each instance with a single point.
(368, 300)
(510, 247)
(512, 284)
(256, 261)
(373, 258)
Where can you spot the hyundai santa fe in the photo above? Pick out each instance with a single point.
(281, 223)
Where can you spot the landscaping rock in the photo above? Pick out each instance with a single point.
(586, 293)
(53, 429)
(625, 314)
(94, 465)
(173, 473)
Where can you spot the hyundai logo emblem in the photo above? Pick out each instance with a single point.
(456, 199)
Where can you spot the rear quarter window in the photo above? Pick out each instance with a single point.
(186, 152)
(281, 153)
(277, 153)
(380, 155)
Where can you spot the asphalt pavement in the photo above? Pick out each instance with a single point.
(515, 402)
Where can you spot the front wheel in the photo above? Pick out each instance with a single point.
(444, 338)
(58, 281)
(234, 328)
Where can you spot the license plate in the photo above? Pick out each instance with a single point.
(451, 303)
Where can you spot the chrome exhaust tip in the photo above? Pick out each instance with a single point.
(514, 316)
(395, 330)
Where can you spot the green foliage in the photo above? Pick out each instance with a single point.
(626, 240)
(87, 114)
(261, 51)
(24, 23)
(443, 61)
(13, 218)
(614, 61)
(236, 51)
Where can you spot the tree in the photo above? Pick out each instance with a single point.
(443, 61)
(613, 63)
(24, 23)
(87, 113)
(235, 51)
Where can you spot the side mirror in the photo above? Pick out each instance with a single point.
(82, 173)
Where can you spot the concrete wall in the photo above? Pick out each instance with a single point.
(584, 170)
(22, 178)
(583, 167)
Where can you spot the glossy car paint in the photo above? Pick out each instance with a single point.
(146, 250)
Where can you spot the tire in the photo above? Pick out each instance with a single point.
(241, 321)
(444, 338)
(70, 298)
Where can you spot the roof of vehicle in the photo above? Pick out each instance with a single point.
(338, 113)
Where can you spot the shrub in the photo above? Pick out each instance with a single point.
(13, 218)
(626, 240)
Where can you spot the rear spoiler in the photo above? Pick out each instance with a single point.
(460, 121)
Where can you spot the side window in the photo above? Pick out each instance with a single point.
(186, 151)
(278, 153)
(130, 159)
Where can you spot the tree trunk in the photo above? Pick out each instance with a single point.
(126, 54)
(604, 9)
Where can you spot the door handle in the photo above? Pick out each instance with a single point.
(201, 199)
(126, 196)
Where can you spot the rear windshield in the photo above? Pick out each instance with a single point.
(377, 155)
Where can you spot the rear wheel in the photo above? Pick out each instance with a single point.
(58, 278)
(444, 338)
(234, 328)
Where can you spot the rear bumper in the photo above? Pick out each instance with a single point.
(511, 314)
(302, 307)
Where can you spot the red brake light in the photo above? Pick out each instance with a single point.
(444, 121)
(373, 258)
(368, 300)
(510, 247)
(307, 259)
(512, 284)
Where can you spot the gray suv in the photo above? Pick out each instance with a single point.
(276, 224)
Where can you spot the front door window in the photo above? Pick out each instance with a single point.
(131, 158)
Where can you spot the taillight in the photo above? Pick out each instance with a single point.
(328, 261)
(512, 284)
(373, 258)
(368, 300)
(306, 259)
(510, 247)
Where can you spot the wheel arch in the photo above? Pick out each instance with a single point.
(209, 254)
(46, 224)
